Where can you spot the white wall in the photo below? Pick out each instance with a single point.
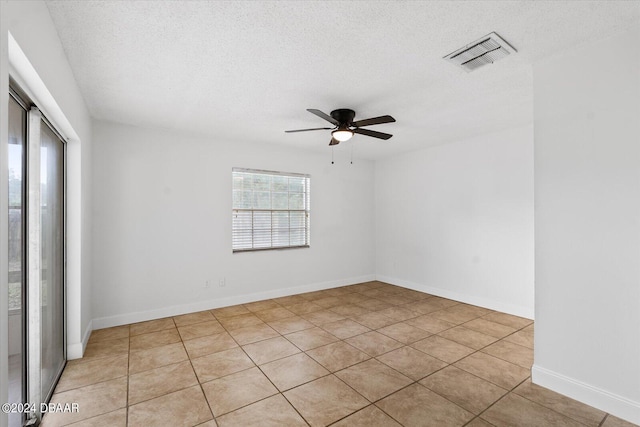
(587, 199)
(457, 220)
(162, 224)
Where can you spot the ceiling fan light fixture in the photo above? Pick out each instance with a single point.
(342, 134)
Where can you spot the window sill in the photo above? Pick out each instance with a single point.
(236, 251)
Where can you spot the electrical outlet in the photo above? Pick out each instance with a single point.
(207, 283)
(222, 283)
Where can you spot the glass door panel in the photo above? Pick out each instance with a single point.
(17, 173)
(52, 259)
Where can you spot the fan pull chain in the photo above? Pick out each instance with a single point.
(332, 154)
(351, 152)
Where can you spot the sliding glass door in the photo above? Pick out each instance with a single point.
(36, 256)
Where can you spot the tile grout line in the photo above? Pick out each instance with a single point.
(329, 374)
(417, 381)
(548, 407)
(126, 419)
(498, 400)
(353, 413)
(351, 318)
(245, 353)
(197, 379)
(147, 370)
(255, 366)
(269, 379)
(371, 357)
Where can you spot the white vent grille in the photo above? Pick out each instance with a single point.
(485, 50)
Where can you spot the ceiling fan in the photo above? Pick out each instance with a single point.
(345, 127)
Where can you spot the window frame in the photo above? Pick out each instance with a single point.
(306, 210)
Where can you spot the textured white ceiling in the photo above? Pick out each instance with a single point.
(246, 71)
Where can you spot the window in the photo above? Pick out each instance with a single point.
(270, 210)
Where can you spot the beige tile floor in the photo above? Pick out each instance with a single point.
(370, 354)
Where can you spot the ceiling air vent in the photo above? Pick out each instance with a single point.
(485, 50)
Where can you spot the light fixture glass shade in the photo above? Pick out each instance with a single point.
(342, 134)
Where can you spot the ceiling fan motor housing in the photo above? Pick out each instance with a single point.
(344, 116)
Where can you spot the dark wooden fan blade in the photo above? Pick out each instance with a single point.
(306, 130)
(334, 142)
(374, 121)
(372, 133)
(323, 116)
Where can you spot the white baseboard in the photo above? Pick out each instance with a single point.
(466, 298)
(176, 310)
(76, 350)
(618, 406)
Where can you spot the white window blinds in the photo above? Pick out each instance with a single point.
(270, 210)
